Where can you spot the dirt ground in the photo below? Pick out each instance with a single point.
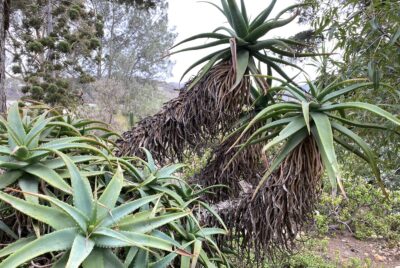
(375, 254)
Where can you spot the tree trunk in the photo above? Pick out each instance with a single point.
(111, 50)
(4, 15)
(49, 29)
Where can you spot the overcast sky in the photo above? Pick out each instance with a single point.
(191, 17)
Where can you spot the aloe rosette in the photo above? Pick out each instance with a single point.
(193, 235)
(87, 230)
(320, 113)
(28, 157)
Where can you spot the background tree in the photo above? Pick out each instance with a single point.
(131, 56)
(51, 43)
(4, 23)
(135, 41)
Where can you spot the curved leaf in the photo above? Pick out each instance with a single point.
(48, 175)
(81, 191)
(260, 19)
(81, 248)
(367, 150)
(306, 113)
(361, 105)
(11, 248)
(263, 114)
(109, 197)
(110, 238)
(206, 68)
(48, 215)
(238, 21)
(80, 219)
(167, 171)
(264, 28)
(323, 130)
(296, 124)
(361, 124)
(241, 66)
(222, 53)
(29, 186)
(9, 178)
(150, 223)
(15, 123)
(4, 228)
(244, 12)
(200, 36)
(116, 214)
(207, 45)
(56, 241)
(327, 96)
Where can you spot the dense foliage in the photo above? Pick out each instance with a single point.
(366, 36)
(63, 191)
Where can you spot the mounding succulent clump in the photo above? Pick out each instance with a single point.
(67, 201)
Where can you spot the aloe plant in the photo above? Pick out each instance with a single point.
(89, 226)
(30, 145)
(321, 113)
(300, 129)
(107, 211)
(219, 93)
(189, 232)
(244, 41)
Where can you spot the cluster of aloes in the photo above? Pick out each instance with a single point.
(92, 208)
(306, 123)
(179, 194)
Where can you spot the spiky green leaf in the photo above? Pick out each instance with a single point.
(51, 216)
(81, 248)
(55, 241)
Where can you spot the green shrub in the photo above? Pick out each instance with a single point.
(35, 46)
(366, 212)
(64, 46)
(16, 69)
